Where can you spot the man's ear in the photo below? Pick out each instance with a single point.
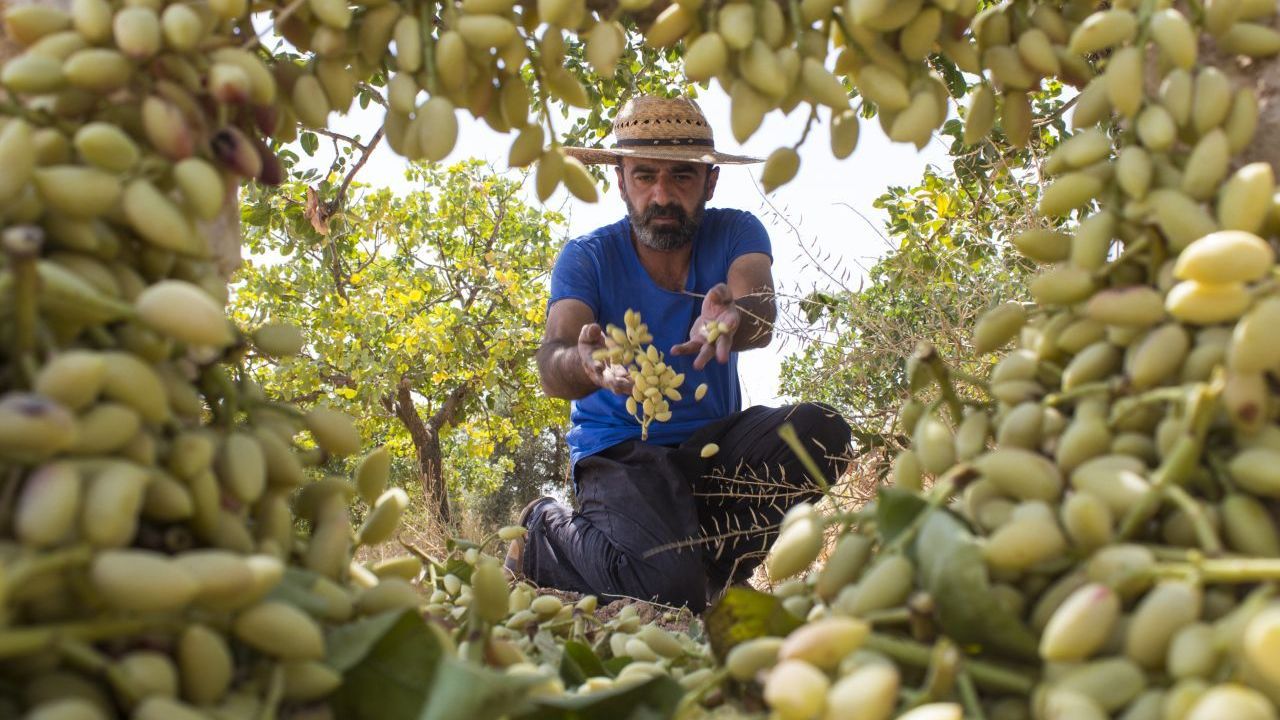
(618, 170)
(713, 174)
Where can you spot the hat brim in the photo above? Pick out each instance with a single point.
(611, 156)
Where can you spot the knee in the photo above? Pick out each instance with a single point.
(541, 515)
(820, 426)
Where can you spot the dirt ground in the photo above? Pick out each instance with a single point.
(668, 618)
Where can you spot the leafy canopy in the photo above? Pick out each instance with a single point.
(442, 288)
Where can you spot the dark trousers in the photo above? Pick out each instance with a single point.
(662, 523)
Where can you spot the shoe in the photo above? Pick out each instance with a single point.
(515, 551)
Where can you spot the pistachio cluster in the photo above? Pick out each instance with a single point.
(1113, 500)
(654, 383)
(173, 543)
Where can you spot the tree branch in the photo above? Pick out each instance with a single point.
(365, 152)
(339, 277)
(306, 398)
(401, 405)
(339, 136)
(452, 406)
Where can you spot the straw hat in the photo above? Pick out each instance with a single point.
(662, 129)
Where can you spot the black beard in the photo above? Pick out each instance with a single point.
(665, 238)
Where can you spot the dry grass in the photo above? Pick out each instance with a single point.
(851, 492)
(860, 483)
(420, 530)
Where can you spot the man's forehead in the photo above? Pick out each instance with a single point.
(651, 165)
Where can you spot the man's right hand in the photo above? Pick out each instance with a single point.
(610, 376)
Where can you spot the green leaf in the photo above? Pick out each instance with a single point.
(654, 699)
(388, 662)
(743, 614)
(310, 143)
(395, 667)
(951, 75)
(548, 646)
(579, 662)
(614, 665)
(896, 509)
(952, 570)
(295, 589)
(462, 691)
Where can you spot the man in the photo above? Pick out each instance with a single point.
(656, 520)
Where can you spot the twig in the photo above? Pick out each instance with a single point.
(365, 152)
(339, 136)
(8, 497)
(969, 696)
(1221, 571)
(788, 434)
(18, 641)
(1181, 461)
(279, 19)
(22, 247)
(808, 125)
(1205, 534)
(984, 673)
(275, 694)
(691, 699)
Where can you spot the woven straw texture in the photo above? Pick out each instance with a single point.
(669, 124)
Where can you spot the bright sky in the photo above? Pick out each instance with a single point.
(836, 230)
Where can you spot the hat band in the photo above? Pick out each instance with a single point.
(658, 142)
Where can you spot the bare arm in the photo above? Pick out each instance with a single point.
(751, 283)
(565, 365)
(744, 307)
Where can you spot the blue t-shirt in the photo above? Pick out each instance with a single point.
(603, 270)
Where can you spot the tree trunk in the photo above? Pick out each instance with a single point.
(431, 465)
(426, 441)
(426, 445)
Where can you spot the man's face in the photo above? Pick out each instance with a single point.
(665, 199)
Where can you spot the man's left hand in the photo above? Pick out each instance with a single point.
(717, 306)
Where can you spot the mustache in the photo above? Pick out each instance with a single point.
(663, 211)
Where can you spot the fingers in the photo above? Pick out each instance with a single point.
(721, 293)
(724, 344)
(686, 348)
(618, 379)
(594, 370)
(705, 353)
(590, 339)
(717, 298)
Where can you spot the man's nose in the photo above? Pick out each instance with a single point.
(662, 191)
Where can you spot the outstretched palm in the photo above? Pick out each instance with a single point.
(718, 307)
